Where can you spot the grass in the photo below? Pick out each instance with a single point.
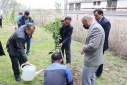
(42, 43)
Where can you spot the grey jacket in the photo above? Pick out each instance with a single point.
(94, 45)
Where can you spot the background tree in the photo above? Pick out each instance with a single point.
(57, 6)
(5, 6)
(13, 5)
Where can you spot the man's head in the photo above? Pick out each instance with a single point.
(98, 13)
(30, 28)
(67, 20)
(20, 13)
(56, 57)
(26, 14)
(87, 21)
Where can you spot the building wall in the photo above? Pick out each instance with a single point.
(122, 3)
(90, 5)
(73, 1)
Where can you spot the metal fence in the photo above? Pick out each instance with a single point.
(118, 32)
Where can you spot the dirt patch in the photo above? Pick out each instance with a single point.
(35, 40)
(77, 76)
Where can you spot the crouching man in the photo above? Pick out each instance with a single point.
(57, 74)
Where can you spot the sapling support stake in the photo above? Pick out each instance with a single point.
(62, 57)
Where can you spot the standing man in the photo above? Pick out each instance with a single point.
(66, 32)
(57, 74)
(93, 50)
(18, 17)
(23, 21)
(105, 23)
(1, 17)
(16, 45)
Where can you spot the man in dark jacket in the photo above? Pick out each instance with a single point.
(15, 47)
(1, 17)
(57, 74)
(105, 23)
(18, 17)
(23, 21)
(66, 32)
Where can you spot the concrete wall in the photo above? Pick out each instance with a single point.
(120, 3)
(90, 5)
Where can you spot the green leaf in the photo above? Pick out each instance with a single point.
(50, 53)
(55, 51)
(55, 29)
(45, 29)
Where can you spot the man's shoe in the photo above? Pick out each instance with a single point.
(68, 64)
(17, 78)
(97, 76)
(27, 54)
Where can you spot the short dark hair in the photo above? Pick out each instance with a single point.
(26, 12)
(29, 25)
(20, 13)
(56, 57)
(67, 18)
(100, 11)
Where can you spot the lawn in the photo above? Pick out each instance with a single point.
(42, 43)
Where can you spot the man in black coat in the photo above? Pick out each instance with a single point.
(23, 21)
(105, 23)
(15, 47)
(66, 32)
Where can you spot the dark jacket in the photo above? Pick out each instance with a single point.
(1, 49)
(105, 23)
(16, 43)
(66, 32)
(22, 21)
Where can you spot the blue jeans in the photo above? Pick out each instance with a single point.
(88, 75)
(28, 45)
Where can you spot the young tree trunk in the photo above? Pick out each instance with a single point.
(55, 36)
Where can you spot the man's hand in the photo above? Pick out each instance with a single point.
(1, 55)
(61, 45)
(82, 52)
(27, 63)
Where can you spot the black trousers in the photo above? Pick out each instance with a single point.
(15, 64)
(99, 70)
(1, 23)
(66, 47)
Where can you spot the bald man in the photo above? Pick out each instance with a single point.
(93, 49)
